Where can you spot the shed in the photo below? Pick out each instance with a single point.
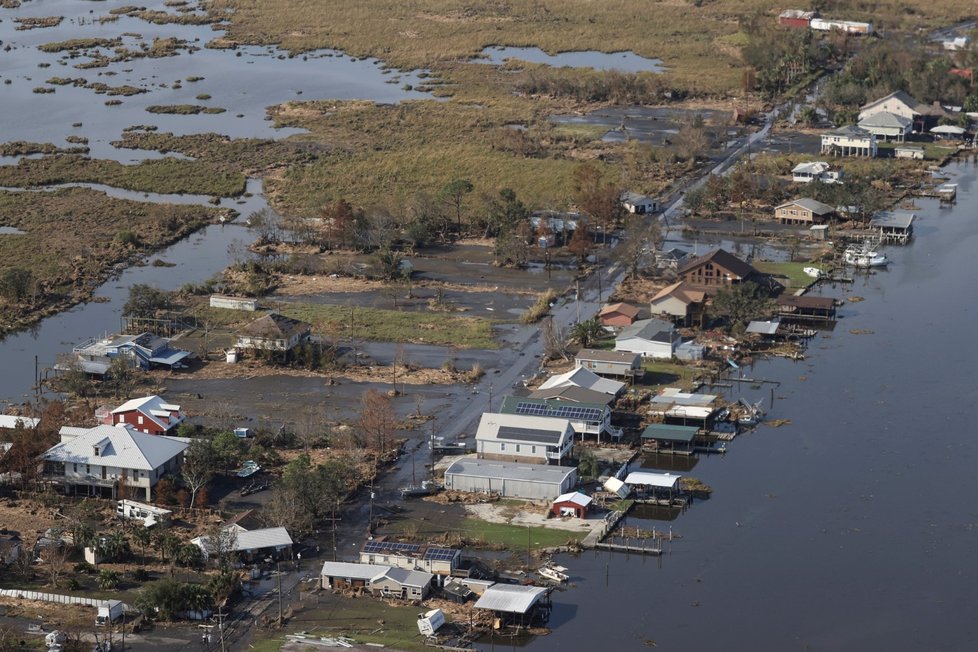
(909, 151)
(894, 226)
(610, 363)
(233, 303)
(639, 204)
(617, 487)
(571, 504)
(532, 482)
(618, 315)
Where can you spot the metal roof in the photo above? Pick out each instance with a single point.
(118, 447)
(812, 167)
(511, 598)
(764, 327)
(815, 206)
(405, 577)
(413, 550)
(270, 537)
(666, 432)
(153, 408)
(665, 480)
(353, 571)
(675, 396)
(585, 378)
(470, 466)
(521, 427)
(885, 120)
(599, 355)
(893, 219)
(575, 497)
(13, 421)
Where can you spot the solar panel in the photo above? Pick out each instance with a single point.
(574, 412)
(374, 547)
(529, 434)
(440, 554)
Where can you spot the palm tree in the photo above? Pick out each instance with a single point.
(142, 536)
(587, 332)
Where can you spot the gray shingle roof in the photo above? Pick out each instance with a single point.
(813, 205)
(886, 120)
(653, 330)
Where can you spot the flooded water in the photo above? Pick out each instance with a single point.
(620, 61)
(852, 527)
(653, 125)
(243, 81)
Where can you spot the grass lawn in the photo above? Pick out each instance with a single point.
(662, 374)
(791, 275)
(357, 618)
(378, 325)
(515, 537)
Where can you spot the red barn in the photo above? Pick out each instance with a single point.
(572, 504)
(796, 18)
(149, 414)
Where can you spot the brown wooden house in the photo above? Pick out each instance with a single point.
(618, 315)
(719, 268)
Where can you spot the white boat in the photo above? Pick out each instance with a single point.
(864, 257)
(814, 272)
(554, 572)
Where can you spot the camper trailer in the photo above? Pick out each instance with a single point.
(148, 514)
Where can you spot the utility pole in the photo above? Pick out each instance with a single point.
(278, 567)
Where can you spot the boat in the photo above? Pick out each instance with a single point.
(249, 468)
(554, 573)
(426, 488)
(865, 257)
(814, 272)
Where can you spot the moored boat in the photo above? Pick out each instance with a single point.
(864, 257)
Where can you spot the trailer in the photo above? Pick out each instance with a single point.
(430, 622)
(150, 515)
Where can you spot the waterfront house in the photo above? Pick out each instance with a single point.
(523, 438)
(899, 103)
(803, 210)
(680, 302)
(617, 315)
(806, 308)
(585, 418)
(894, 226)
(620, 364)
(106, 459)
(527, 481)
(273, 332)
(888, 126)
(676, 407)
(638, 204)
(148, 414)
(143, 351)
(516, 604)
(571, 504)
(849, 141)
(909, 151)
(427, 557)
(672, 438)
(718, 268)
(652, 338)
(585, 378)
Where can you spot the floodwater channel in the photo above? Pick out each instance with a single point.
(853, 526)
(620, 61)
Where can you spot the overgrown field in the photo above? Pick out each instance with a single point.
(72, 238)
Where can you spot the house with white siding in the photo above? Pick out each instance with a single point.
(523, 438)
(849, 141)
(652, 338)
(109, 459)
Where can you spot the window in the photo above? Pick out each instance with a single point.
(502, 445)
(517, 448)
(533, 449)
(140, 420)
(88, 469)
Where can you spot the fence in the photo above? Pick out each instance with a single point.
(54, 597)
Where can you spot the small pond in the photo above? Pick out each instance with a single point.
(620, 61)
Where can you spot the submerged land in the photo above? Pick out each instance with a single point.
(445, 249)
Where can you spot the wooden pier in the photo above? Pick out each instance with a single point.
(654, 550)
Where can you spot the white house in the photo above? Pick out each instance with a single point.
(273, 542)
(431, 558)
(109, 458)
(638, 204)
(653, 338)
(815, 171)
(888, 126)
(523, 438)
(898, 103)
(849, 141)
(586, 379)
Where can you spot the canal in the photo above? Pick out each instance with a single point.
(854, 525)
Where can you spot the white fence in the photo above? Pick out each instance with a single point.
(55, 597)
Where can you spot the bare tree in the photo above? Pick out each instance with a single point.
(553, 340)
(199, 464)
(377, 421)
